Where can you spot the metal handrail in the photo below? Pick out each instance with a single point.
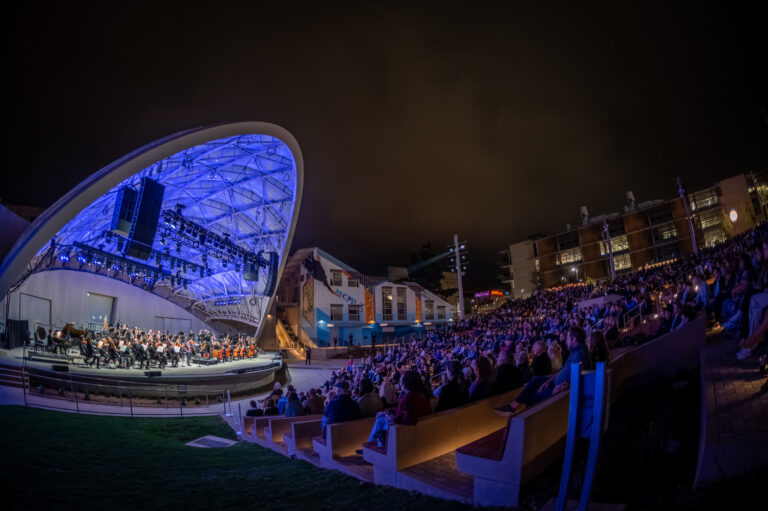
(124, 392)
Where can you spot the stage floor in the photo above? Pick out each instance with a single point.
(16, 357)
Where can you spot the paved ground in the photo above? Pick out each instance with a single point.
(742, 408)
(303, 377)
(734, 413)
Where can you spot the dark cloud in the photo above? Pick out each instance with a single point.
(490, 119)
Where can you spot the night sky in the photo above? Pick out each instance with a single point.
(491, 120)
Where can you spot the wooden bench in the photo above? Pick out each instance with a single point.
(278, 426)
(253, 428)
(298, 440)
(434, 436)
(337, 450)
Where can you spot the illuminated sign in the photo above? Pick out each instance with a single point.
(493, 292)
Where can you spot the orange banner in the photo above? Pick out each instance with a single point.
(370, 309)
(418, 308)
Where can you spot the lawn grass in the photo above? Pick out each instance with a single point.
(53, 460)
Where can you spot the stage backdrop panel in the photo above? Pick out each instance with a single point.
(173, 325)
(36, 310)
(99, 308)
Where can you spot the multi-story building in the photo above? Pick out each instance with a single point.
(321, 298)
(652, 232)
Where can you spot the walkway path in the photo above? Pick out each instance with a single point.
(734, 422)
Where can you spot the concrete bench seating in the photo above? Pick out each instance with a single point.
(253, 428)
(434, 436)
(298, 440)
(337, 450)
(501, 462)
(277, 426)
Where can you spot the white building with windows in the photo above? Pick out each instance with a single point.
(321, 298)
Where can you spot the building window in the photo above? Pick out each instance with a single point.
(622, 262)
(441, 312)
(703, 199)
(402, 305)
(337, 312)
(714, 236)
(568, 256)
(710, 218)
(666, 232)
(386, 303)
(429, 310)
(618, 244)
(352, 282)
(335, 277)
(354, 312)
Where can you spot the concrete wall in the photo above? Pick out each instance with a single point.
(68, 294)
(734, 195)
(12, 227)
(523, 269)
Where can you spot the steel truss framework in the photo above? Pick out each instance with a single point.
(241, 187)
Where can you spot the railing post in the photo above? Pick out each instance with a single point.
(181, 407)
(239, 431)
(130, 401)
(229, 401)
(72, 388)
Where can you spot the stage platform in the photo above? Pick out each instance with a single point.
(236, 376)
(734, 414)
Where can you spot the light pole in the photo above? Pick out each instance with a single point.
(576, 271)
(456, 251)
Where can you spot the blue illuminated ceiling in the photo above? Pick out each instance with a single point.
(227, 206)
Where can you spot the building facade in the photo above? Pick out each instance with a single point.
(648, 233)
(320, 299)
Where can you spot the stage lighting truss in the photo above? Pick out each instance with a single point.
(226, 204)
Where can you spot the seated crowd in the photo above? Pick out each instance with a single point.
(533, 342)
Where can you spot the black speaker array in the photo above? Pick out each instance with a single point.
(125, 209)
(144, 228)
(18, 332)
(271, 283)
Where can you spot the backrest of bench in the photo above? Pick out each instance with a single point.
(662, 357)
(280, 425)
(443, 432)
(344, 438)
(534, 437)
(303, 432)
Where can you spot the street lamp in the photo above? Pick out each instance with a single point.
(576, 271)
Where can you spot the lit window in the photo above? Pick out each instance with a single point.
(386, 303)
(429, 309)
(402, 306)
(618, 244)
(571, 255)
(622, 262)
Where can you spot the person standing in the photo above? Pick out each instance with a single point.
(308, 355)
